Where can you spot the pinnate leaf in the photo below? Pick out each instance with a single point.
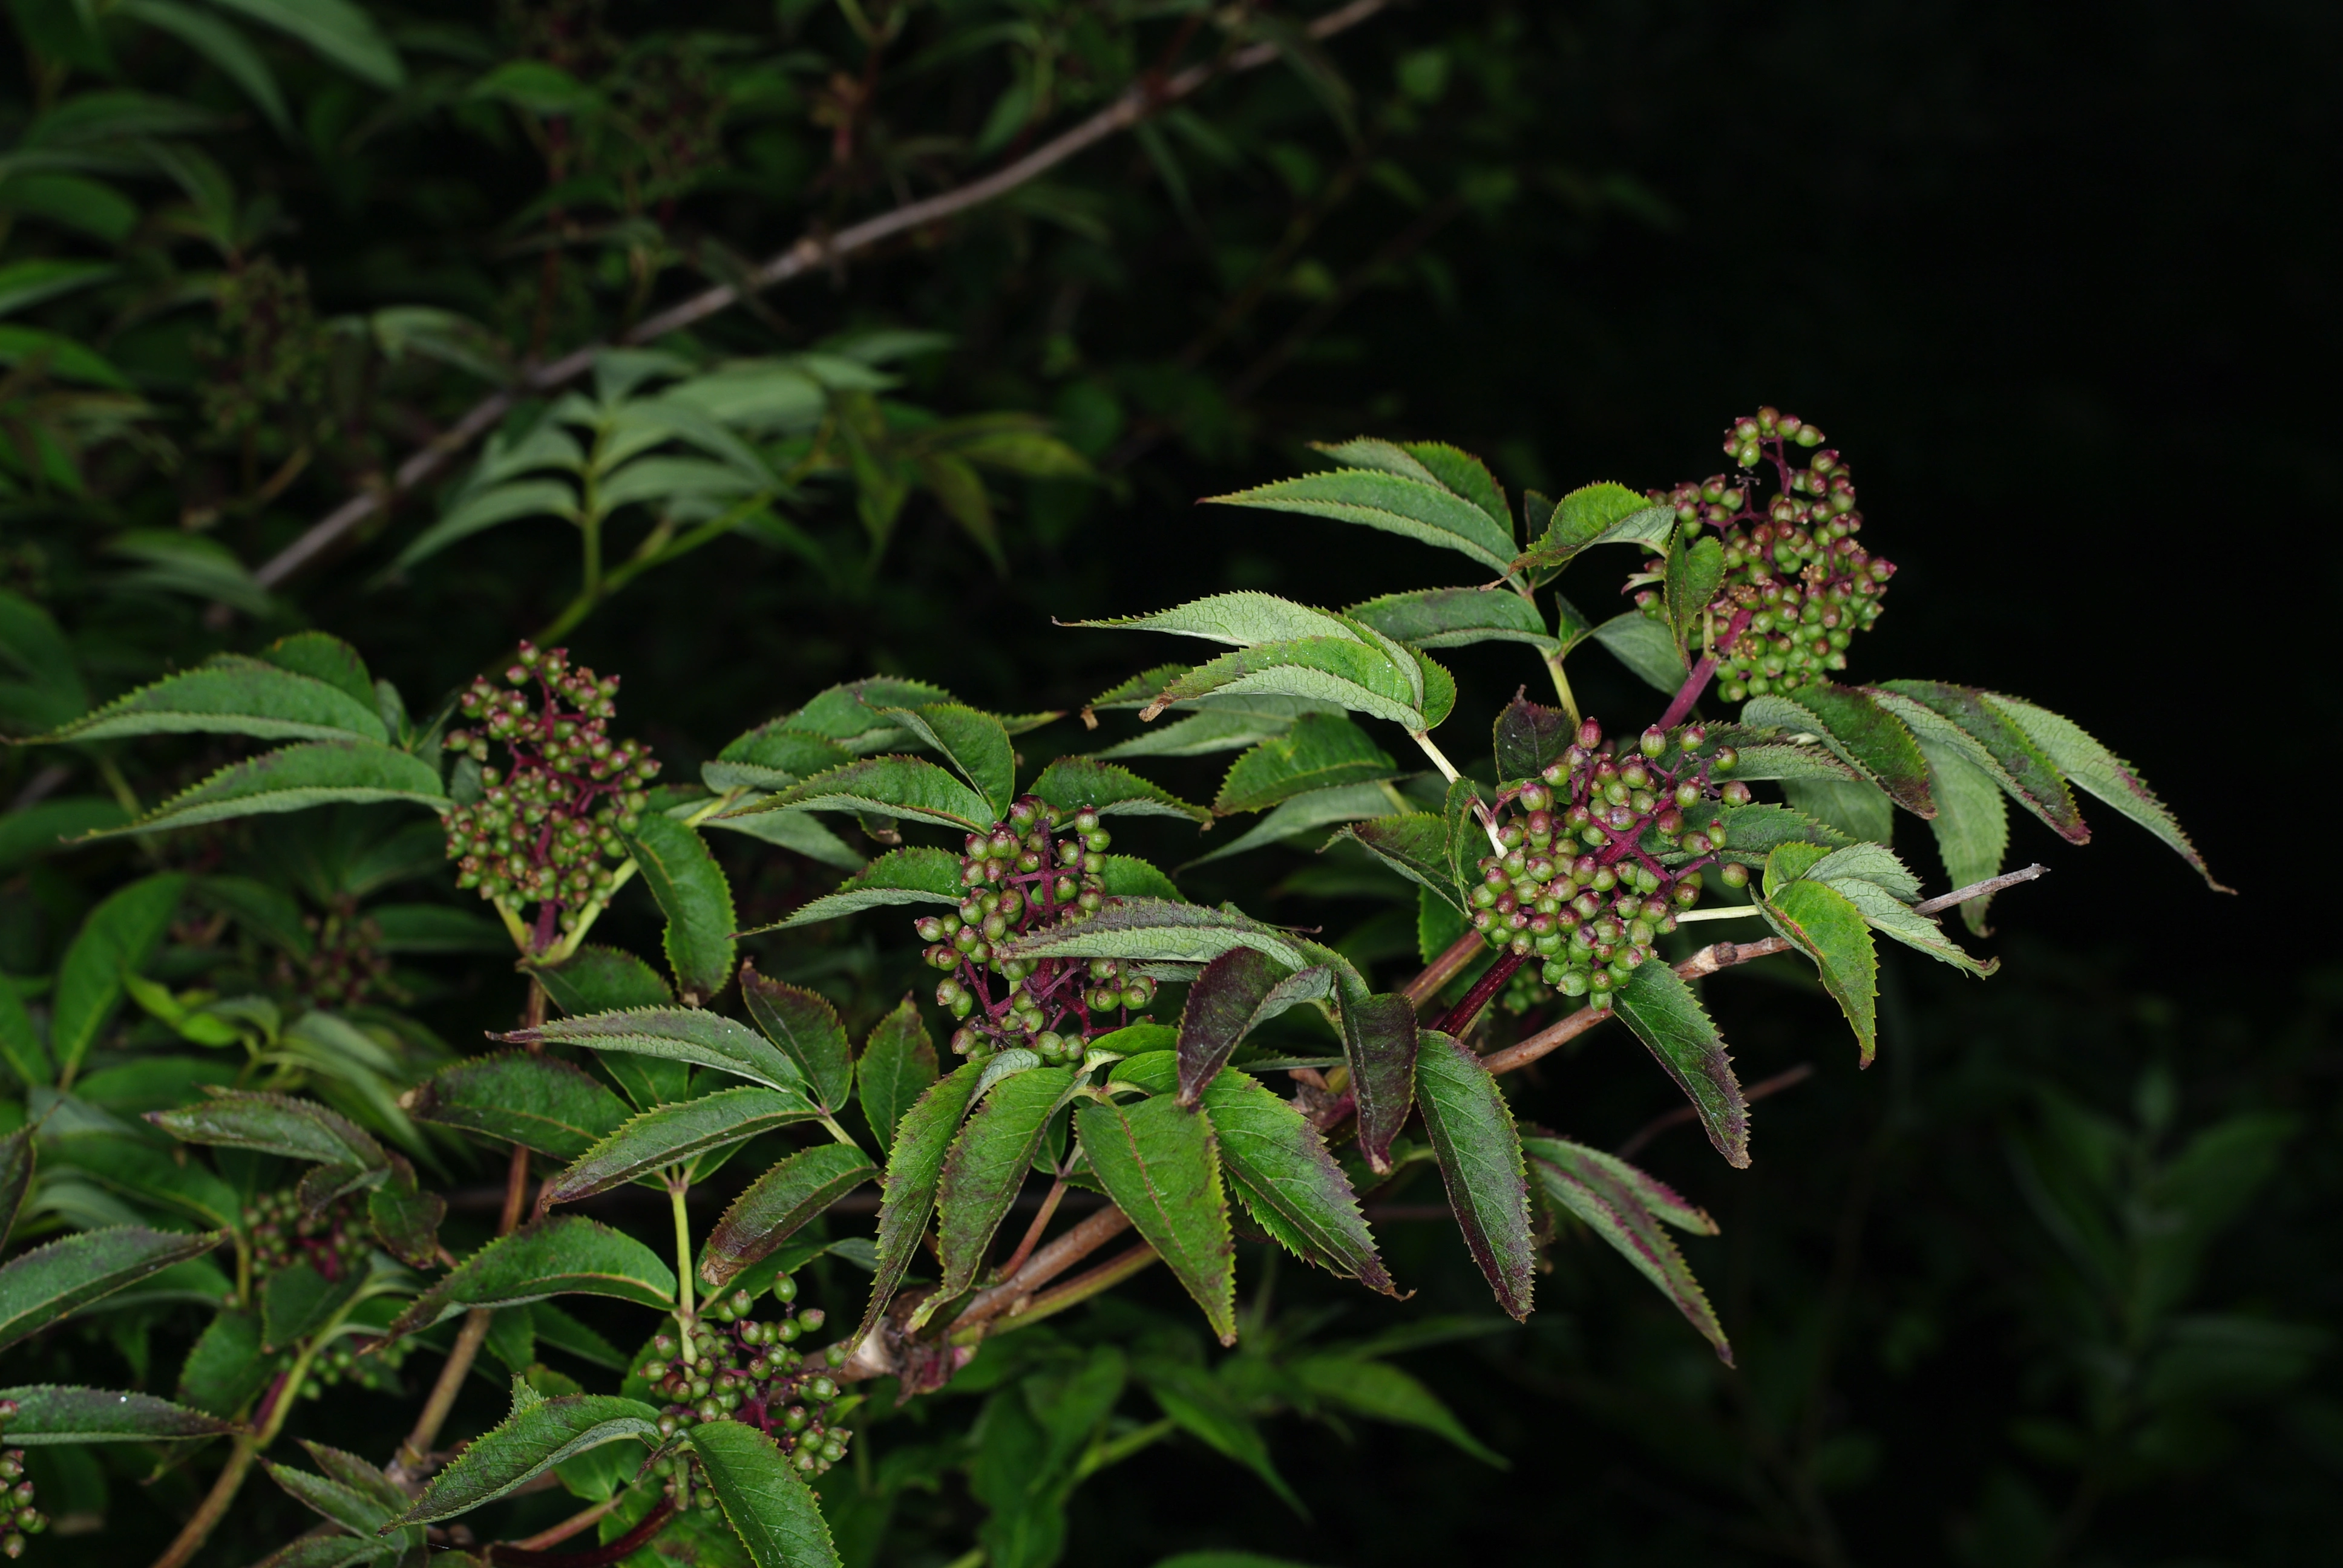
(1354, 674)
(1480, 1158)
(538, 1102)
(899, 1062)
(2102, 773)
(806, 1027)
(1379, 1043)
(1963, 718)
(1665, 1014)
(772, 757)
(1971, 825)
(16, 1175)
(777, 1204)
(1319, 751)
(232, 693)
(48, 1412)
(1278, 1164)
(1694, 570)
(539, 1434)
(695, 1035)
(1381, 1391)
(906, 787)
(1160, 1163)
(770, 1508)
(1859, 731)
(672, 1134)
(1628, 1208)
(1076, 783)
(1244, 619)
(987, 1166)
(294, 779)
(694, 895)
(1306, 813)
(116, 940)
(1646, 647)
(39, 1287)
(564, 1255)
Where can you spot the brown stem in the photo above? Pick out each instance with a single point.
(1444, 968)
(198, 1529)
(1684, 1113)
(811, 254)
(1043, 1266)
(619, 1550)
(1706, 961)
(1991, 885)
(1080, 1288)
(554, 1536)
(1033, 1232)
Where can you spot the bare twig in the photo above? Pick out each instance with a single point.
(812, 253)
(1985, 889)
(1706, 961)
(1684, 1113)
(1444, 968)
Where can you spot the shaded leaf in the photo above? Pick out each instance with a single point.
(1527, 736)
(1665, 1014)
(15, 1174)
(1306, 813)
(1453, 616)
(772, 757)
(777, 1204)
(297, 1301)
(1645, 647)
(274, 1124)
(601, 980)
(1279, 1165)
(564, 1255)
(672, 1134)
(678, 1034)
(1160, 1164)
(538, 1102)
(1076, 783)
(337, 30)
(47, 1412)
(806, 1027)
(539, 1434)
(694, 897)
(1221, 1008)
(899, 1062)
(908, 1192)
(405, 1219)
(1627, 1209)
(770, 1508)
(39, 1287)
(1415, 844)
(1379, 1041)
(1382, 1392)
(1203, 1406)
(913, 876)
(118, 938)
(1319, 751)
(1479, 1157)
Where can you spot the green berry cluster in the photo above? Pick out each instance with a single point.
(1039, 865)
(23, 1517)
(334, 1241)
(743, 1368)
(1578, 887)
(1797, 587)
(546, 833)
(344, 963)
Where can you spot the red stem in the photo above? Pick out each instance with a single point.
(617, 1551)
(1701, 673)
(1460, 1017)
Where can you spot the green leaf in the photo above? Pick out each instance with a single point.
(294, 779)
(1379, 1041)
(224, 47)
(1319, 751)
(538, 1102)
(1528, 736)
(1129, 877)
(1453, 616)
(904, 787)
(27, 283)
(1154, 930)
(1665, 1014)
(64, 359)
(601, 980)
(118, 938)
(1959, 717)
(1854, 808)
(337, 30)
(770, 1508)
(539, 1434)
(357, 1511)
(32, 831)
(672, 1134)
(1382, 1392)
(806, 1027)
(1306, 813)
(226, 1368)
(1479, 1157)
(777, 1204)
(974, 743)
(15, 1173)
(678, 1034)
(799, 833)
(1223, 1004)
(297, 1301)
(1458, 471)
(1215, 730)
(772, 758)
(330, 659)
(1861, 732)
(1693, 572)
(1971, 824)
(140, 1170)
(49, 1413)
(1080, 783)
(987, 1165)
(1429, 513)
(1415, 694)
(899, 1063)
(1415, 844)
(1206, 1408)
(1278, 1166)
(1627, 1209)
(405, 1217)
(1598, 514)
(694, 897)
(1871, 863)
(233, 695)
(849, 714)
(2101, 773)
(274, 1124)
(913, 876)
(1646, 649)
(915, 1165)
(1160, 1163)
(38, 1287)
(564, 1255)
(1884, 912)
(1824, 925)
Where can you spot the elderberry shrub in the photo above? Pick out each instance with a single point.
(1576, 889)
(547, 831)
(21, 1517)
(1796, 587)
(744, 1369)
(1037, 866)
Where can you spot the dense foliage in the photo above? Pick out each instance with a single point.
(611, 1273)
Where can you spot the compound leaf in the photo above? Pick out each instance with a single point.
(294, 779)
(232, 693)
(975, 744)
(1859, 731)
(1453, 616)
(1222, 1005)
(1158, 930)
